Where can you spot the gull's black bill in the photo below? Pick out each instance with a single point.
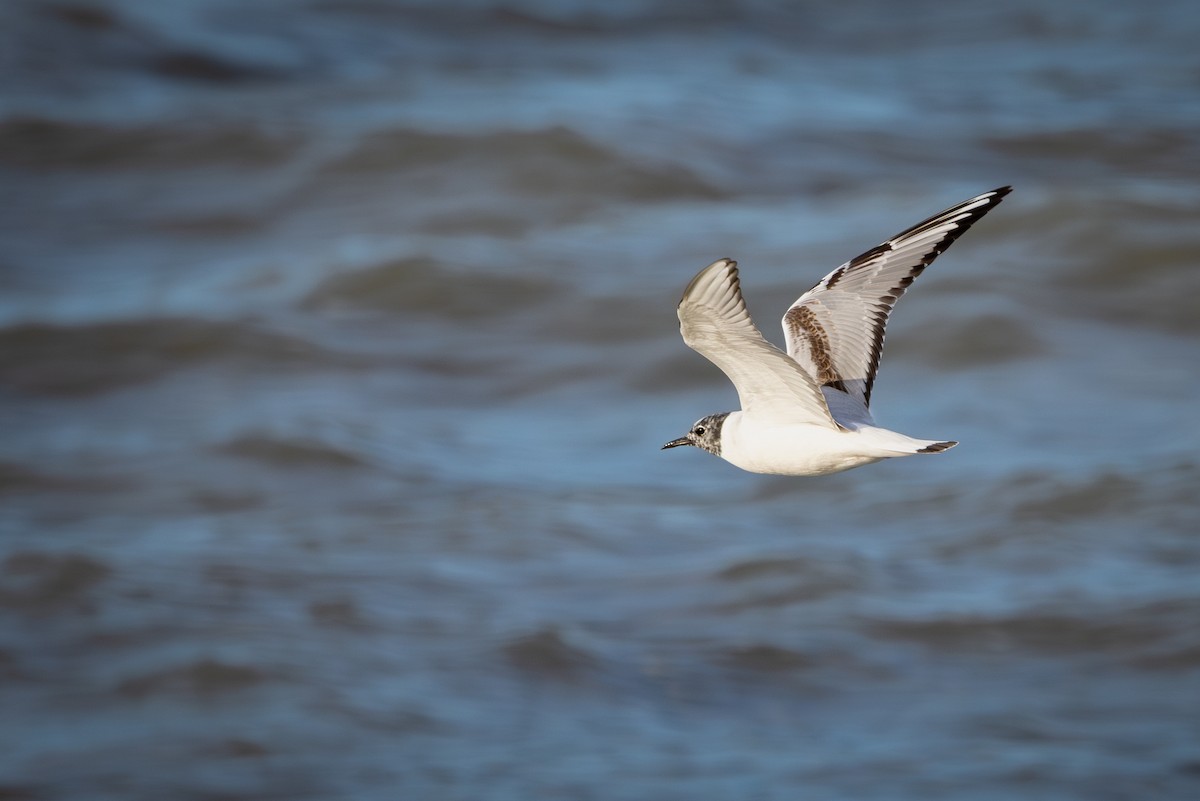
(675, 443)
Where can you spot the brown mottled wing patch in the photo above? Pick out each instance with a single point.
(714, 322)
(803, 322)
(835, 330)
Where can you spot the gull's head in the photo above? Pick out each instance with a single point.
(705, 433)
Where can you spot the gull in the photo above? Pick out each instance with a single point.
(807, 412)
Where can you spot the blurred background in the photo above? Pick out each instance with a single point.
(338, 341)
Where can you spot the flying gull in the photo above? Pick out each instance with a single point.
(807, 412)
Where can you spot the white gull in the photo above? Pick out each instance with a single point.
(807, 412)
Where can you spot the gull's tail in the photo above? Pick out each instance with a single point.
(893, 443)
(936, 447)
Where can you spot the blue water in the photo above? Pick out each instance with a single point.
(337, 344)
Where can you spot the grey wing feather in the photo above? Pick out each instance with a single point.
(714, 322)
(835, 330)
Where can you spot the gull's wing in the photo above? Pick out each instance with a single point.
(715, 323)
(835, 330)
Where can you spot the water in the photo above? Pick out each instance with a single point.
(338, 343)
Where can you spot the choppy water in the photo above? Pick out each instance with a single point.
(338, 343)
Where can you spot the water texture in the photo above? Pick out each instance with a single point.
(337, 342)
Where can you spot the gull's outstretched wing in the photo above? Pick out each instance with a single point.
(835, 330)
(715, 323)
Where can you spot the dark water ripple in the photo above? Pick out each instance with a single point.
(62, 145)
(552, 161)
(87, 359)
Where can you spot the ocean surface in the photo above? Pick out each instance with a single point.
(338, 342)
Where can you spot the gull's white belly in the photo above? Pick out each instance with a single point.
(803, 449)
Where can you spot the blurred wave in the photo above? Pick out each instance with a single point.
(337, 344)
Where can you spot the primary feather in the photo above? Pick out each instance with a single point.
(835, 330)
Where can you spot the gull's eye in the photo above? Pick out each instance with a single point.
(699, 431)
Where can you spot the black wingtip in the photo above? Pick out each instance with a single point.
(991, 199)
